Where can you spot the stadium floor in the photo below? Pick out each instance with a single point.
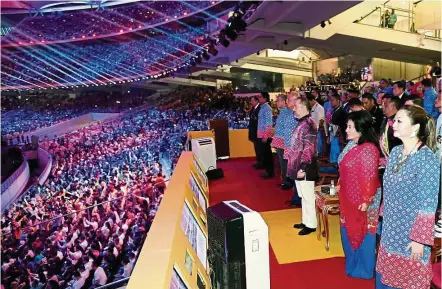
(242, 183)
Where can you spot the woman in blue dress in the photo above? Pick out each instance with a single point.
(411, 187)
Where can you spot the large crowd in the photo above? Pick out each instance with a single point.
(108, 21)
(86, 224)
(24, 114)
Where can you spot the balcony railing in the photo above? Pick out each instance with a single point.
(9, 181)
(382, 17)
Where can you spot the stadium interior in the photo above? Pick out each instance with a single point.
(153, 144)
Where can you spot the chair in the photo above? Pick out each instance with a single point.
(332, 173)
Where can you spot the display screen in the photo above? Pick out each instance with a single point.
(197, 192)
(194, 234)
(176, 282)
(200, 171)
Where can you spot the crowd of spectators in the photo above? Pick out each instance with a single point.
(85, 225)
(24, 114)
(124, 18)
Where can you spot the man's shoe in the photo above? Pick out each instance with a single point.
(306, 231)
(292, 204)
(266, 175)
(299, 226)
(286, 187)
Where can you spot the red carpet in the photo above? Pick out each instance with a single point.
(242, 182)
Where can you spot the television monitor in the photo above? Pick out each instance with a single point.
(200, 172)
(198, 192)
(194, 234)
(176, 282)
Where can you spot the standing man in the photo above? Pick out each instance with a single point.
(430, 96)
(399, 88)
(253, 130)
(376, 113)
(264, 134)
(387, 140)
(303, 164)
(283, 121)
(318, 116)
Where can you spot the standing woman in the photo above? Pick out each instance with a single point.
(411, 186)
(359, 195)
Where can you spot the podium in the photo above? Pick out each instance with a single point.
(220, 128)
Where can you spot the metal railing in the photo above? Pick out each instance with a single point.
(12, 178)
(405, 20)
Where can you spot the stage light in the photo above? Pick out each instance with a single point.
(238, 24)
(206, 56)
(130, 29)
(212, 50)
(229, 32)
(42, 41)
(83, 36)
(73, 38)
(121, 30)
(93, 35)
(139, 26)
(185, 13)
(224, 42)
(322, 24)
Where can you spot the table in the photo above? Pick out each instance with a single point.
(325, 205)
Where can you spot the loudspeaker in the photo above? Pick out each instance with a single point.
(215, 174)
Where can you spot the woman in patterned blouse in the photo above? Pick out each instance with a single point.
(411, 186)
(359, 195)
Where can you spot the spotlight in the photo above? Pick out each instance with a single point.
(212, 50)
(238, 24)
(229, 32)
(198, 58)
(206, 56)
(286, 42)
(224, 42)
(322, 24)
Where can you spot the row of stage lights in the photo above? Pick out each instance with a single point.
(235, 25)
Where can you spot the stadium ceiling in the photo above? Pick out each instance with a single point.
(20, 7)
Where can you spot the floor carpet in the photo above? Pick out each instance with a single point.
(242, 182)
(289, 247)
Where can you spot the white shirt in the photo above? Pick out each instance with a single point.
(100, 277)
(317, 114)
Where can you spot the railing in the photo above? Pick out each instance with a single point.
(405, 22)
(48, 165)
(116, 284)
(9, 181)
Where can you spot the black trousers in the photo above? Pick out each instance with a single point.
(265, 155)
(256, 147)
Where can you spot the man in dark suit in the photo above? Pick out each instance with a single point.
(376, 113)
(253, 130)
(387, 140)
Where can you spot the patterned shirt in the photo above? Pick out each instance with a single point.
(265, 122)
(302, 149)
(410, 201)
(285, 124)
(430, 96)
